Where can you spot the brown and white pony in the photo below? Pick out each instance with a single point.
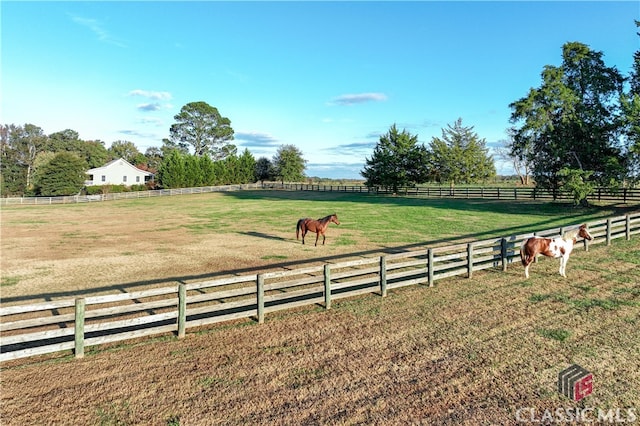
(319, 226)
(552, 247)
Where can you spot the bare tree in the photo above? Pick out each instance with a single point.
(519, 158)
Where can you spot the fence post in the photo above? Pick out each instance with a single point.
(260, 298)
(430, 266)
(79, 328)
(182, 310)
(327, 286)
(469, 260)
(627, 228)
(383, 276)
(609, 231)
(503, 253)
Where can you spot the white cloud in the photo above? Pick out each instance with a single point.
(256, 139)
(151, 94)
(97, 28)
(155, 121)
(359, 98)
(154, 106)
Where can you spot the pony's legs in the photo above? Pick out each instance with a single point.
(526, 271)
(563, 266)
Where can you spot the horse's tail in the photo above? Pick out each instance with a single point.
(298, 226)
(524, 254)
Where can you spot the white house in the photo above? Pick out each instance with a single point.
(117, 172)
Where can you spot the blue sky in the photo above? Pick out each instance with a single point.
(327, 77)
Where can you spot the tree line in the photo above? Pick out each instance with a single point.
(459, 156)
(579, 129)
(35, 164)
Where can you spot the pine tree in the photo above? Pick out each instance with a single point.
(397, 161)
(63, 175)
(460, 156)
(172, 171)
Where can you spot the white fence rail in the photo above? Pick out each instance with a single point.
(73, 324)
(124, 195)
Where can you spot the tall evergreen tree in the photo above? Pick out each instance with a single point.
(246, 167)
(231, 165)
(263, 169)
(208, 170)
(289, 164)
(397, 161)
(63, 175)
(171, 173)
(460, 156)
(193, 175)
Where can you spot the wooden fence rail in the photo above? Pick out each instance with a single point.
(73, 324)
(623, 195)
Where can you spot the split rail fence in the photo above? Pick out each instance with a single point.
(73, 324)
(623, 195)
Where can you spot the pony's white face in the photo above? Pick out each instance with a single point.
(584, 233)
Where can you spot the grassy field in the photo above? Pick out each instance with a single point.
(472, 352)
(66, 250)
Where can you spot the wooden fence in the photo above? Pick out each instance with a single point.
(623, 195)
(73, 324)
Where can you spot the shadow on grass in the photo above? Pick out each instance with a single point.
(531, 207)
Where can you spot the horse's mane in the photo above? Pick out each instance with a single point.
(570, 235)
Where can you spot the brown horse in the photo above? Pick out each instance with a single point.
(552, 247)
(318, 226)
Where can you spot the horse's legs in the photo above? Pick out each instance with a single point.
(304, 232)
(563, 266)
(526, 261)
(323, 238)
(317, 236)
